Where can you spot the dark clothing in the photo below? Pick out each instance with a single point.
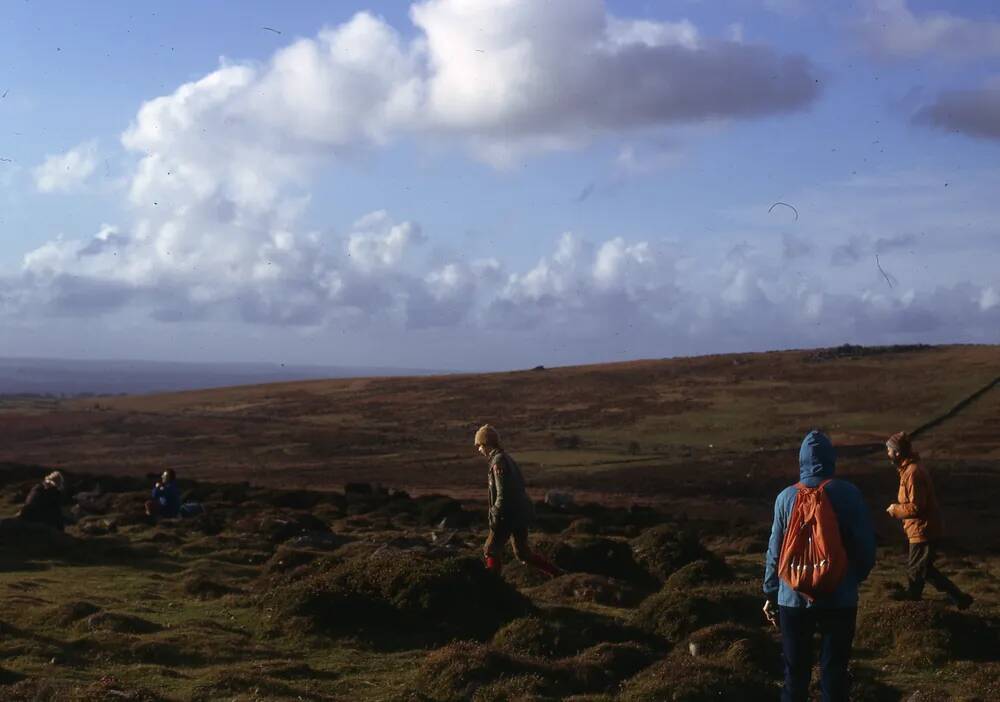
(499, 535)
(493, 550)
(509, 502)
(817, 462)
(920, 568)
(510, 514)
(836, 630)
(44, 506)
(167, 500)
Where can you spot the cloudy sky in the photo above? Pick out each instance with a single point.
(489, 184)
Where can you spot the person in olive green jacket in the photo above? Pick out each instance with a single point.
(918, 509)
(510, 508)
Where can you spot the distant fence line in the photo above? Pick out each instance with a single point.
(956, 409)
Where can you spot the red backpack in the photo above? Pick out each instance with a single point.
(813, 560)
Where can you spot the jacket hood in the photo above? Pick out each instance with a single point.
(817, 457)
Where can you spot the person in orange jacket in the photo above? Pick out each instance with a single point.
(918, 509)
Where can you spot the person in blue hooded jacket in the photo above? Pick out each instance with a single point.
(166, 496)
(832, 615)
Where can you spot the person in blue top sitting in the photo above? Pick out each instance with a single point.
(166, 500)
(832, 615)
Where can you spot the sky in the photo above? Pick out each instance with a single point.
(496, 184)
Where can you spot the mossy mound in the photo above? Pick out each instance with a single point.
(115, 622)
(109, 687)
(663, 549)
(395, 593)
(583, 525)
(465, 670)
(923, 633)
(204, 587)
(72, 612)
(750, 646)
(287, 560)
(529, 687)
(245, 685)
(685, 678)
(605, 666)
(674, 614)
(592, 554)
(712, 571)
(277, 527)
(589, 588)
(561, 632)
(21, 540)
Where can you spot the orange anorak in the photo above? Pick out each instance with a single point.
(918, 506)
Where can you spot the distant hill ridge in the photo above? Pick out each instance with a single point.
(76, 377)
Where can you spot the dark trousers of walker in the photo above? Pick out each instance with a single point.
(836, 632)
(920, 569)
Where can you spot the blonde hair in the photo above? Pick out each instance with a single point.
(55, 479)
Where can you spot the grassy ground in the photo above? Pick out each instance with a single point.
(415, 432)
(234, 607)
(182, 611)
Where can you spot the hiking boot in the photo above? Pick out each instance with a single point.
(963, 601)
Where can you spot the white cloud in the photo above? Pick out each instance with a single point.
(989, 299)
(891, 28)
(66, 171)
(377, 242)
(546, 75)
(225, 163)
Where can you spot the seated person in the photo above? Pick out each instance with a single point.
(166, 500)
(44, 503)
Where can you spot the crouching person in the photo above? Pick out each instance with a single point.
(510, 508)
(166, 497)
(44, 503)
(822, 547)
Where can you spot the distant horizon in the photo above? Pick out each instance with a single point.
(346, 367)
(210, 362)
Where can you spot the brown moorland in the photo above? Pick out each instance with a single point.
(291, 587)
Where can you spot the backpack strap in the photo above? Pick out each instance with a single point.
(802, 486)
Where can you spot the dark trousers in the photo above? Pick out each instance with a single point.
(500, 534)
(518, 537)
(836, 630)
(920, 569)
